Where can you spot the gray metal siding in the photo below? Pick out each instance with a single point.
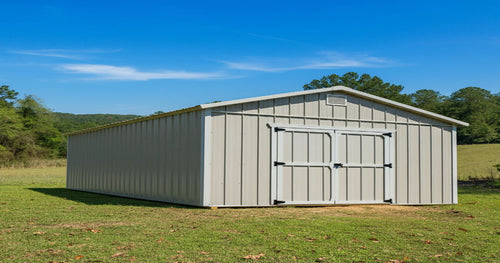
(156, 159)
(241, 147)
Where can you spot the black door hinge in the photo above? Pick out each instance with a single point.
(388, 201)
(277, 129)
(276, 163)
(278, 202)
(387, 134)
(388, 165)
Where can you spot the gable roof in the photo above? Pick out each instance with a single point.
(342, 89)
(346, 90)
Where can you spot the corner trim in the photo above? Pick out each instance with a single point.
(454, 177)
(206, 156)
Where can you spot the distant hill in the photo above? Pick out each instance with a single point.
(67, 122)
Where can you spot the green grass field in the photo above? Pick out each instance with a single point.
(476, 161)
(40, 221)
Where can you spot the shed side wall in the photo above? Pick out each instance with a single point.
(241, 140)
(157, 159)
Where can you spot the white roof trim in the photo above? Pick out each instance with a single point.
(344, 90)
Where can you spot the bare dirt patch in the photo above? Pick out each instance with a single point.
(90, 225)
(378, 209)
(294, 212)
(358, 210)
(361, 210)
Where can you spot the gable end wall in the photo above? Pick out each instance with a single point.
(240, 147)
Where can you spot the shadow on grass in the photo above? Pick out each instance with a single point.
(101, 199)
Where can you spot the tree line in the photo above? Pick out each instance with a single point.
(477, 106)
(26, 129)
(68, 122)
(29, 130)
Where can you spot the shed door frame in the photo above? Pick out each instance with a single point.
(334, 133)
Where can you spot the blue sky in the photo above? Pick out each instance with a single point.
(139, 57)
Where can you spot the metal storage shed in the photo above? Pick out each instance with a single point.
(326, 146)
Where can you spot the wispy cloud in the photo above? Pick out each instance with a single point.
(63, 53)
(272, 38)
(325, 60)
(108, 72)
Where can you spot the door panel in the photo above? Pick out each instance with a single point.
(353, 176)
(327, 184)
(327, 165)
(379, 184)
(300, 147)
(367, 184)
(300, 190)
(287, 183)
(368, 149)
(352, 151)
(305, 173)
(341, 177)
(316, 145)
(315, 184)
(362, 157)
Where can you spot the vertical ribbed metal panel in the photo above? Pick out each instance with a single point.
(425, 164)
(156, 159)
(401, 163)
(233, 149)
(241, 145)
(249, 168)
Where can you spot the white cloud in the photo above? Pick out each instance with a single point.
(63, 53)
(327, 60)
(253, 66)
(272, 38)
(108, 72)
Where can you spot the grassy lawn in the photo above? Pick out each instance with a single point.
(40, 221)
(476, 161)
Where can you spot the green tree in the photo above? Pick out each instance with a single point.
(39, 121)
(427, 99)
(10, 129)
(7, 96)
(67, 122)
(365, 83)
(30, 130)
(480, 109)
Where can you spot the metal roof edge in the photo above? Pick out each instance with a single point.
(341, 89)
(267, 97)
(404, 106)
(140, 119)
(277, 96)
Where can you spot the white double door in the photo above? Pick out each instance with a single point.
(318, 165)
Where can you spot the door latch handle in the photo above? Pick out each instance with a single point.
(276, 163)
